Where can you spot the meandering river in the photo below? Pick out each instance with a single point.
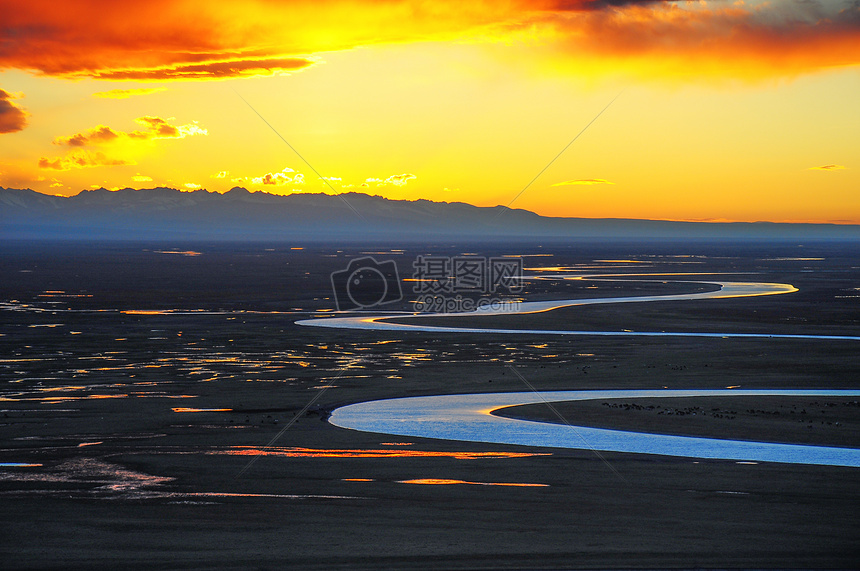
(726, 290)
(468, 417)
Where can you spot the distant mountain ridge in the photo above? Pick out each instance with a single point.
(166, 213)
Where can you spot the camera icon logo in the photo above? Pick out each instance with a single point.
(366, 283)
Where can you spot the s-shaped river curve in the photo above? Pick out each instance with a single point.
(468, 417)
(726, 290)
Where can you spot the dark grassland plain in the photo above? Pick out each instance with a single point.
(157, 436)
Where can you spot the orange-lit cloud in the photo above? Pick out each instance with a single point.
(100, 136)
(157, 128)
(699, 38)
(585, 181)
(147, 39)
(80, 159)
(126, 93)
(182, 39)
(828, 168)
(218, 69)
(12, 117)
(186, 39)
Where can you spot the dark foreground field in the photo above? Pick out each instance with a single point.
(158, 439)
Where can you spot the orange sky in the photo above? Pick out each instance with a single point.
(727, 110)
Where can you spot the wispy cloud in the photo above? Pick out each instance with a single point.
(207, 70)
(12, 117)
(79, 159)
(395, 179)
(400, 179)
(126, 93)
(82, 154)
(283, 178)
(828, 168)
(368, 181)
(157, 128)
(583, 181)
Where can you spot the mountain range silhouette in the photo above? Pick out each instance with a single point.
(166, 213)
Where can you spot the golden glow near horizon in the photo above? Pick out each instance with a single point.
(742, 110)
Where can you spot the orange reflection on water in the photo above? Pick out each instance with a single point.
(297, 452)
(144, 312)
(186, 409)
(282, 496)
(51, 400)
(445, 482)
(62, 388)
(182, 253)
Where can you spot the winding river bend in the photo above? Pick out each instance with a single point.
(467, 417)
(726, 290)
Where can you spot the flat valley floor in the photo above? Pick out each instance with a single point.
(161, 410)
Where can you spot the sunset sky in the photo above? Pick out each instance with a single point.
(717, 110)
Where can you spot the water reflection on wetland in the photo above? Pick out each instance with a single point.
(297, 452)
(237, 349)
(446, 482)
